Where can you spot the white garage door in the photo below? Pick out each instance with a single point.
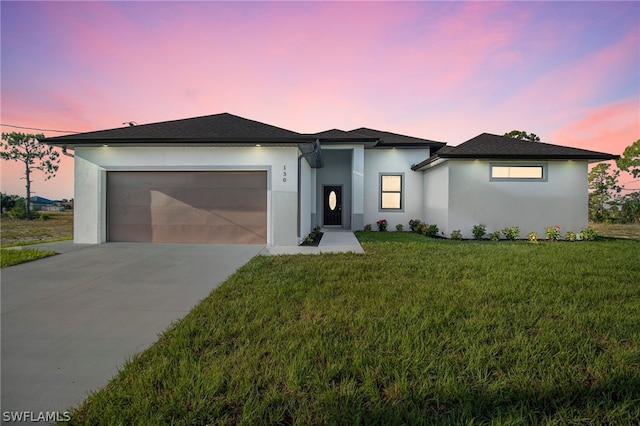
(225, 207)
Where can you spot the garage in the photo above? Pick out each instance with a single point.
(221, 207)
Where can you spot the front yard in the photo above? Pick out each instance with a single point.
(416, 331)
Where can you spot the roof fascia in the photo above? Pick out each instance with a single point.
(152, 142)
(602, 157)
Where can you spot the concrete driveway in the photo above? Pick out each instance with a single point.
(70, 321)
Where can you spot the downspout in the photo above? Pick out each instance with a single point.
(64, 151)
(316, 149)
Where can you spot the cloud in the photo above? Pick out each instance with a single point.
(610, 127)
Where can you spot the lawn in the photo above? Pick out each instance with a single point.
(57, 226)
(415, 331)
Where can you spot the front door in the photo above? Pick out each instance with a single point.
(333, 205)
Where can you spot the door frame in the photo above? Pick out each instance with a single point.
(324, 206)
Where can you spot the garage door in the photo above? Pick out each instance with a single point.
(187, 207)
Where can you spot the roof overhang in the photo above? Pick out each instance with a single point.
(309, 147)
(452, 156)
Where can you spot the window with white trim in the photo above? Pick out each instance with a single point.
(511, 172)
(391, 191)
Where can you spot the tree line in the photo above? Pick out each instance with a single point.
(608, 200)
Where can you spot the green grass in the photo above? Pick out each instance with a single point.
(10, 257)
(416, 331)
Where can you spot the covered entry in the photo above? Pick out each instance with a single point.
(224, 207)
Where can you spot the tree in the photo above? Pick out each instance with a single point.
(630, 159)
(519, 134)
(630, 208)
(603, 185)
(24, 147)
(8, 202)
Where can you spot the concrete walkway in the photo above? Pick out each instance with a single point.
(333, 241)
(71, 320)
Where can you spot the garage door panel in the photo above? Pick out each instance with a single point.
(207, 198)
(190, 207)
(223, 234)
(134, 233)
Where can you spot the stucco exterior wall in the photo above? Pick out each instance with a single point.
(393, 161)
(530, 205)
(436, 196)
(93, 163)
(307, 199)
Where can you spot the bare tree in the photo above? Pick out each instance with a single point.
(25, 148)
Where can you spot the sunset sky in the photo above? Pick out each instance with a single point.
(567, 71)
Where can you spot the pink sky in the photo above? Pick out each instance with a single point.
(567, 71)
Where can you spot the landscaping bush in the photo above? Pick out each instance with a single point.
(399, 227)
(479, 231)
(431, 231)
(532, 237)
(367, 227)
(456, 235)
(495, 236)
(416, 226)
(570, 236)
(511, 232)
(552, 233)
(588, 234)
(382, 225)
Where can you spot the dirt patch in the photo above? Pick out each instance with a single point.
(59, 225)
(627, 230)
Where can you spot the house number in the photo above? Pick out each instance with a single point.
(284, 173)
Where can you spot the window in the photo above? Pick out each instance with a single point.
(507, 172)
(391, 191)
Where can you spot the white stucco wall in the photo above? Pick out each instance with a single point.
(530, 205)
(93, 163)
(393, 161)
(307, 199)
(436, 196)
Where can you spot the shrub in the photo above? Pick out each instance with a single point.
(570, 236)
(456, 235)
(44, 216)
(367, 227)
(495, 236)
(382, 225)
(532, 237)
(511, 232)
(416, 225)
(399, 227)
(552, 233)
(18, 211)
(479, 231)
(431, 230)
(588, 234)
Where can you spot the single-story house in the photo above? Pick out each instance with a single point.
(40, 203)
(227, 179)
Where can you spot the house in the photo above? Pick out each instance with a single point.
(44, 204)
(227, 179)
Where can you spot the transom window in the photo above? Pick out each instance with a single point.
(391, 191)
(518, 172)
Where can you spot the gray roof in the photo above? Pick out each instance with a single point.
(395, 139)
(489, 146)
(223, 127)
(382, 139)
(231, 129)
